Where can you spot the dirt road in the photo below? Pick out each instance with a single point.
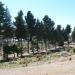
(56, 68)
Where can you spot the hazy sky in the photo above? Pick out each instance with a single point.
(61, 11)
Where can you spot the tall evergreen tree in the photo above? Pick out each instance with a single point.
(2, 11)
(67, 33)
(7, 25)
(73, 35)
(48, 28)
(38, 32)
(20, 26)
(54, 37)
(20, 32)
(59, 37)
(30, 20)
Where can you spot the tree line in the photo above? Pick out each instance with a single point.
(33, 30)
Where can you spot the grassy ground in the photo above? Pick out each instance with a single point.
(34, 59)
(26, 61)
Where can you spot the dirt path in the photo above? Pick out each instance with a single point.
(56, 68)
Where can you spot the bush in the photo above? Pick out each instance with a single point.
(68, 49)
(17, 49)
(12, 49)
(74, 50)
(6, 50)
(71, 50)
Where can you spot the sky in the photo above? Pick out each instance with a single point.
(62, 12)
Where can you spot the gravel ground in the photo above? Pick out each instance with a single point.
(66, 67)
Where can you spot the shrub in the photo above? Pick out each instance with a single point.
(71, 50)
(17, 49)
(14, 48)
(68, 49)
(6, 50)
(74, 50)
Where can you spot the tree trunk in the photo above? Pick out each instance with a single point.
(7, 41)
(17, 54)
(14, 55)
(68, 43)
(55, 45)
(18, 41)
(21, 54)
(37, 45)
(21, 42)
(32, 47)
(5, 56)
(45, 45)
(28, 46)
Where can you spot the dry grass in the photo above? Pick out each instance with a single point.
(23, 62)
(57, 68)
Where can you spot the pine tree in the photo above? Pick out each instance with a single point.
(30, 20)
(7, 25)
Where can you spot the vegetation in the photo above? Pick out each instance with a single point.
(73, 35)
(28, 60)
(34, 32)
